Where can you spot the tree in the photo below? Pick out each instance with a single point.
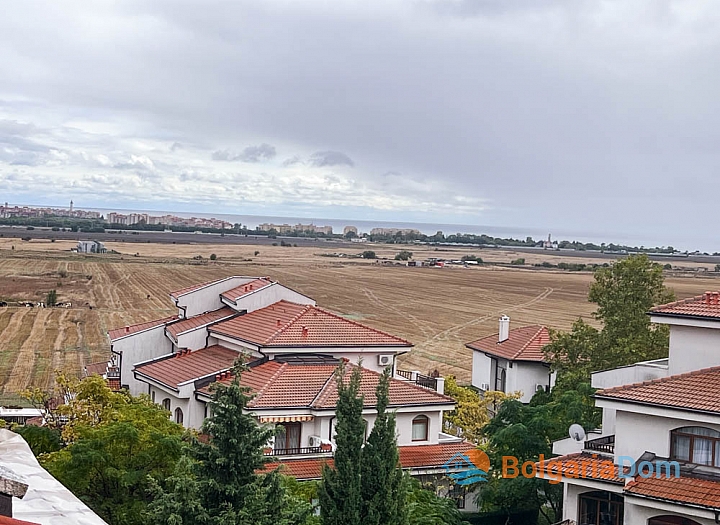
(368, 254)
(51, 299)
(424, 507)
(382, 486)
(213, 256)
(218, 482)
(624, 292)
(340, 490)
(403, 255)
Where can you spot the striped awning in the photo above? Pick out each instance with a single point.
(284, 419)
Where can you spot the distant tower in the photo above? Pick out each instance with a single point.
(71, 206)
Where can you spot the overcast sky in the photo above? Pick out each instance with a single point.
(590, 116)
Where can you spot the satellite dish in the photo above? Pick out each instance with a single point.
(577, 432)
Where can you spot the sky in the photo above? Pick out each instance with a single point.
(591, 116)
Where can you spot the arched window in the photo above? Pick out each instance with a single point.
(697, 445)
(152, 396)
(420, 428)
(600, 508)
(178, 416)
(671, 520)
(503, 380)
(166, 404)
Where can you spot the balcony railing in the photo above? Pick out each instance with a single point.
(418, 379)
(292, 451)
(407, 374)
(602, 444)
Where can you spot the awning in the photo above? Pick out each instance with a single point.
(284, 419)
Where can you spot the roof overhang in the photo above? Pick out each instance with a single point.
(654, 409)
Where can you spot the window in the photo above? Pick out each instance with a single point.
(697, 445)
(288, 437)
(671, 520)
(166, 404)
(178, 416)
(420, 428)
(457, 493)
(600, 508)
(152, 396)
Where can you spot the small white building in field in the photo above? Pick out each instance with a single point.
(91, 247)
(512, 360)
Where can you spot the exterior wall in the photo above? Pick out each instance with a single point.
(637, 433)
(627, 375)
(208, 298)
(404, 427)
(269, 295)
(693, 348)
(354, 355)
(640, 514)
(194, 340)
(138, 347)
(524, 376)
(482, 370)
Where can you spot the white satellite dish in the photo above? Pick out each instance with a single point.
(577, 432)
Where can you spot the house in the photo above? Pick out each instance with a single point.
(91, 247)
(512, 360)
(660, 433)
(292, 349)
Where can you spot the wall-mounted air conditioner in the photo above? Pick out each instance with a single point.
(385, 360)
(315, 441)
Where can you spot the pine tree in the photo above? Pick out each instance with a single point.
(383, 489)
(340, 490)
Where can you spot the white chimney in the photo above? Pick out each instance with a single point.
(504, 328)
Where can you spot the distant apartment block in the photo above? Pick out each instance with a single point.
(350, 229)
(26, 212)
(167, 220)
(286, 228)
(394, 231)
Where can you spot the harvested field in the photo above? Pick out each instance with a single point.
(437, 309)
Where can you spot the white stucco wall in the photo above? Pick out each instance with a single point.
(368, 355)
(638, 511)
(193, 340)
(637, 433)
(139, 347)
(268, 295)
(482, 370)
(627, 375)
(525, 376)
(208, 298)
(693, 348)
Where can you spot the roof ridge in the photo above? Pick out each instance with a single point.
(356, 323)
(267, 384)
(322, 393)
(289, 323)
(410, 384)
(527, 343)
(620, 388)
(678, 302)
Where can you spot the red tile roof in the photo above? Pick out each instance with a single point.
(96, 369)
(4, 520)
(185, 366)
(580, 465)
(706, 305)
(411, 457)
(698, 390)
(244, 289)
(685, 490)
(522, 344)
(286, 324)
(118, 333)
(301, 385)
(197, 321)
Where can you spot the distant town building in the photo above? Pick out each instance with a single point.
(394, 231)
(280, 228)
(91, 247)
(350, 229)
(167, 220)
(303, 228)
(549, 244)
(26, 212)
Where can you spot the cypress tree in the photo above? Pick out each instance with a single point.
(340, 491)
(383, 488)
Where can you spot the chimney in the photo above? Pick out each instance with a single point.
(10, 487)
(127, 329)
(279, 324)
(304, 331)
(504, 328)
(708, 298)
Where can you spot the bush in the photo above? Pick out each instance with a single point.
(475, 258)
(518, 262)
(42, 440)
(213, 257)
(30, 228)
(24, 239)
(51, 299)
(62, 273)
(404, 255)
(257, 253)
(368, 254)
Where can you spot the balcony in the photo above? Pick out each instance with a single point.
(298, 451)
(605, 444)
(431, 383)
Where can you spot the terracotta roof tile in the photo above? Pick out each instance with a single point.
(313, 386)
(411, 457)
(698, 390)
(705, 305)
(244, 289)
(117, 333)
(522, 344)
(196, 321)
(178, 368)
(581, 465)
(686, 490)
(284, 324)
(4, 520)
(96, 369)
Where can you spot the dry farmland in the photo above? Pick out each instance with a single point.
(437, 309)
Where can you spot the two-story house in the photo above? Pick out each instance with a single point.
(512, 360)
(660, 431)
(292, 349)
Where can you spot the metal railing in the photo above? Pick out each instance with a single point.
(407, 374)
(603, 444)
(418, 379)
(293, 451)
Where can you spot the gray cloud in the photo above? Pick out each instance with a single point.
(250, 154)
(330, 158)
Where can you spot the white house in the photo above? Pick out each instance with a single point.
(292, 349)
(665, 413)
(512, 360)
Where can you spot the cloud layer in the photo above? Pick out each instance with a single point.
(598, 115)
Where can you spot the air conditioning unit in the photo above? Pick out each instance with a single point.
(385, 360)
(540, 388)
(315, 441)
(484, 386)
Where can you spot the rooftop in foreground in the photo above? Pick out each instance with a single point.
(522, 344)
